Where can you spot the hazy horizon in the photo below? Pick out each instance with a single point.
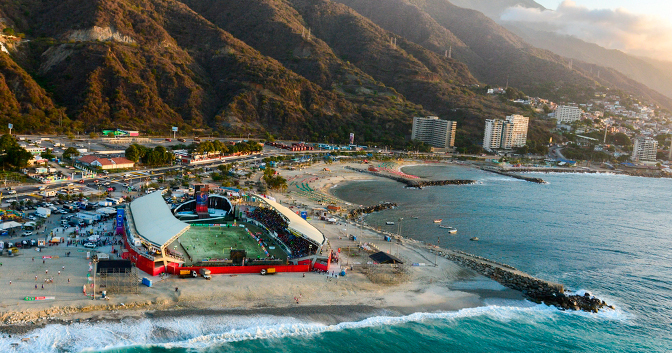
(642, 28)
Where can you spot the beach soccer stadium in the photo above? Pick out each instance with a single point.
(255, 235)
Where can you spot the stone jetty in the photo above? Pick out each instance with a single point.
(516, 176)
(370, 209)
(537, 290)
(417, 183)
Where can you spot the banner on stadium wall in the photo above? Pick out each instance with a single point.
(120, 220)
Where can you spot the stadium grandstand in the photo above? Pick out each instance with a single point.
(149, 227)
(301, 238)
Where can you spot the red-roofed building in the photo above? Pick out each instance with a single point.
(87, 159)
(107, 163)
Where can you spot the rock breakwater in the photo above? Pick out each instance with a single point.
(370, 209)
(416, 183)
(516, 176)
(535, 289)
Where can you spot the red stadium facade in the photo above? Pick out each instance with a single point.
(149, 253)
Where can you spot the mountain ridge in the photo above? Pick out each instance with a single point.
(299, 69)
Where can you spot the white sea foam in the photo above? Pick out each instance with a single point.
(616, 314)
(206, 331)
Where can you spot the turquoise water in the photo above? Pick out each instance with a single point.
(606, 234)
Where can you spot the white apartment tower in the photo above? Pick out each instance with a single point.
(514, 133)
(644, 149)
(567, 114)
(434, 131)
(493, 134)
(505, 134)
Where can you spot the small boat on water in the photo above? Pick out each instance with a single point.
(389, 223)
(415, 217)
(438, 220)
(474, 239)
(451, 230)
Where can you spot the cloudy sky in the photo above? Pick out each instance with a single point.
(640, 27)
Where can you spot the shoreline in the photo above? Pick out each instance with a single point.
(428, 289)
(537, 290)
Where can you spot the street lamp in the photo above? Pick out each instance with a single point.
(436, 251)
(94, 259)
(399, 232)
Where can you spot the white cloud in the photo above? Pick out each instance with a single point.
(613, 29)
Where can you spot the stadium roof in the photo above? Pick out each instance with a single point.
(154, 221)
(296, 223)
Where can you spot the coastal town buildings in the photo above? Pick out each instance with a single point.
(505, 134)
(644, 149)
(567, 113)
(434, 131)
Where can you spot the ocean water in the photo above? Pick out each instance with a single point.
(606, 234)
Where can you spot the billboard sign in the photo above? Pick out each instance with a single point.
(10, 126)
(120, 220)
(174, 128)
(352, 138)
(304, 214)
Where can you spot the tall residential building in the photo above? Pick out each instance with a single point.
(506, 134)
(514, 132)
(493, 134)
(434, 131)
(567, 113)
(644, 149)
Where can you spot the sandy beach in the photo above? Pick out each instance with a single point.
(424, 287)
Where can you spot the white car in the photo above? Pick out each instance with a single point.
(89, 245)
(31, 217)
(27, 234)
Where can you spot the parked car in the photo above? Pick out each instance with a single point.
(89, 245)
(27, 234)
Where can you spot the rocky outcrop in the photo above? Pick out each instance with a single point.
(102, 34)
